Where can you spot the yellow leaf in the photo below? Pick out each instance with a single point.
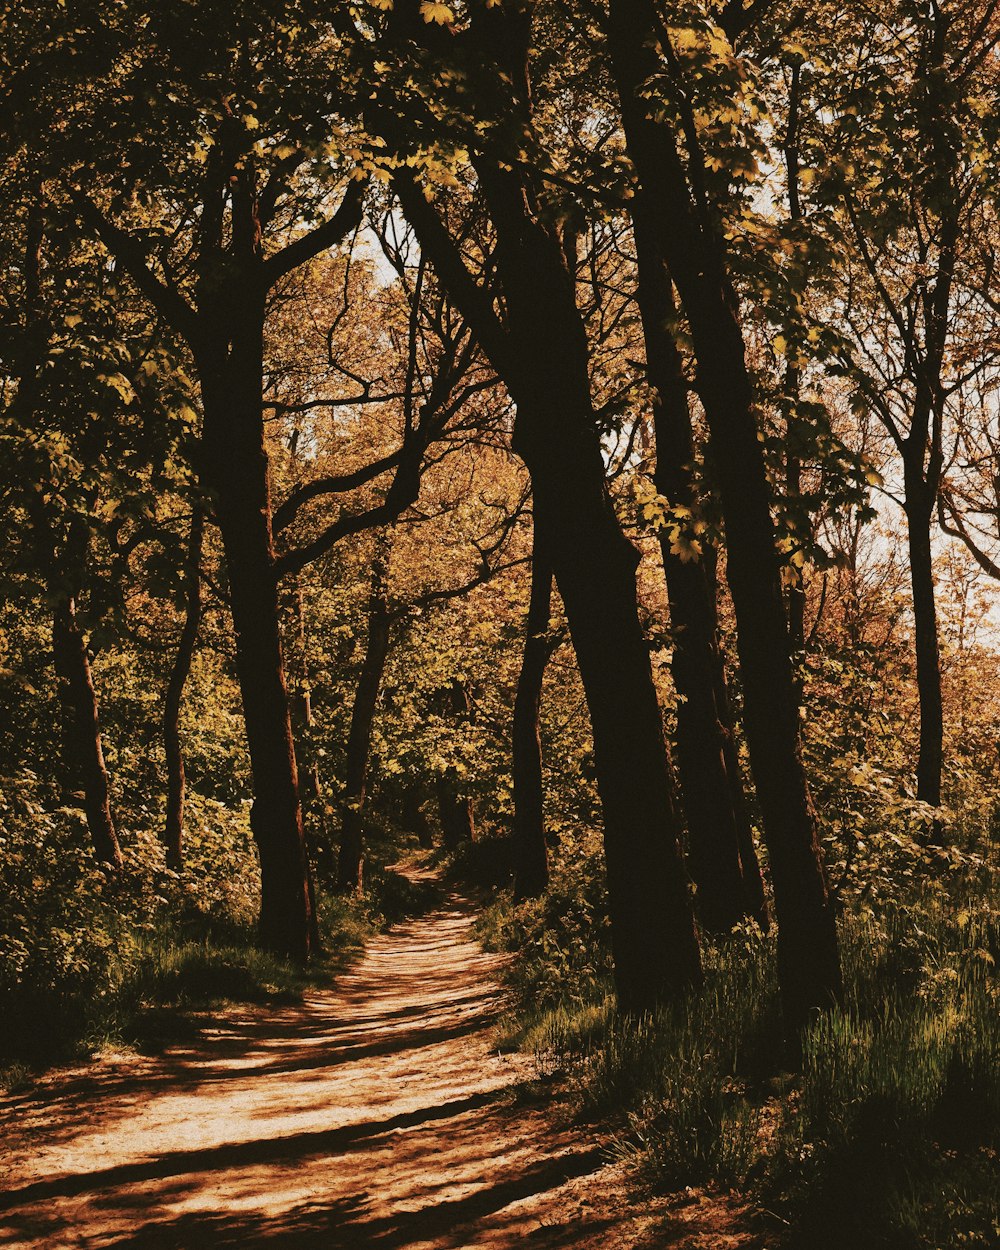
(688, 549)
(434, 11)
(684, 39)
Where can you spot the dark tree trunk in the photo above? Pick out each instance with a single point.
(236, 471)
(793, 465)
(82, 728)
(753, 878)
(302, 714)
(531, 867)
(711, 782)
(174, 825)
(413, 816)
(457, 815)
(458, 824)
(653, 936)
(797, 590)
(919, 506)
(543, 358)
(808, 957)
(359, 738)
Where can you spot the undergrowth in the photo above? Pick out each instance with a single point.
(886, 1135)
(90, 960)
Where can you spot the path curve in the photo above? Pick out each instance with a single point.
(372, 1116)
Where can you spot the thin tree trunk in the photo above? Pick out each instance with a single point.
(930, 756)
(236, 471)
(174, 825)
(793, 465)
(413, 816)
(531, 867)
(711, 783)
(797, 590)
(808, 957)
(359, 738)
(753, 877)
(302, 713)
(82, 730)
(458, 824)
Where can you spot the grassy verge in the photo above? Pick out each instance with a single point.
(888, 1134)
(94, 962)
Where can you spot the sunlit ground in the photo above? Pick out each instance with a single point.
(374, 1114)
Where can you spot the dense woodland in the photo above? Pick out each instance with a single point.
(562, 436)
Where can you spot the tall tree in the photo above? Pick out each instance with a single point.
(721, 853)
(913, 186)
(672, 174)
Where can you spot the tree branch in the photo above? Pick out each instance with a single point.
(129, 252)
(346, 219)
(286, 512)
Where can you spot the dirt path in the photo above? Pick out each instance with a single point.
(373, 1115)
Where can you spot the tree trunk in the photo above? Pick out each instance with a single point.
(753, 878)
(918, 521)
(531, 867)
(174, 825)
(797, 590)
(455, 808)
(236, 471)
(653, 937)
(302, 710)
(808, 957)
(82, 730)
(711, 783)
(458, 824)
(413, 816)
(360, 734)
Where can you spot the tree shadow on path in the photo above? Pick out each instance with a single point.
(374, 1114)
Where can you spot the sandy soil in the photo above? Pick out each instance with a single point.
(375, 1114)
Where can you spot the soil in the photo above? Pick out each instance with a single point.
(374, 1114)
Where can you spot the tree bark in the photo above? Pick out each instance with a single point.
(808, 957)
(82, 731)
(653, 937)
(235, 469)
(413, 816)
(176, 782)
(531, 866)
(711, 783)
(458, 824)
(359, 739)
(919, 501)
(302, 714)
(753, 877)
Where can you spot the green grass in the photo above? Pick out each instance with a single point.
(887, 1136)
(152, 977)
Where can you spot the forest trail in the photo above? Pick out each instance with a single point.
(374, 1114)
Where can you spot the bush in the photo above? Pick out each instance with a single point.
(888, 1134)
(88, 956)
(562, 941)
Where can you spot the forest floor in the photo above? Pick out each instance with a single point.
(373, 1114)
